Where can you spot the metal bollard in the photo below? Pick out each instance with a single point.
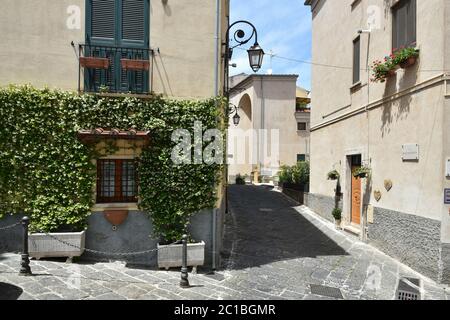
(25, 269)
(184, 283)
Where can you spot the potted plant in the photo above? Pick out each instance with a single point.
(333, 175)
(362, 172)
(383, 70)
(240, 180)
(406, 57)
(337, 215)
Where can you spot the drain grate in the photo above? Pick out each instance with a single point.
(326, 291)
(409, 289)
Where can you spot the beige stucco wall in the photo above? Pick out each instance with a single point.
(408, 108)
(36, 45)
(273, 108)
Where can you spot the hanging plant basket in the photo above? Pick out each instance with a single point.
(362, 172)
(94, 63)
(333, 175)
(135, 65)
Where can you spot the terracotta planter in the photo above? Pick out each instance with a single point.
(135, 65)
(408, 63)
(116, 217)
(94, 63)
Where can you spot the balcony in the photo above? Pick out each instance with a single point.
(109, 69)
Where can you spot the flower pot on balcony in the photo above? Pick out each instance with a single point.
(408, 63)
(170, 256)
(54, 245)
(135, 64)
(94, 63)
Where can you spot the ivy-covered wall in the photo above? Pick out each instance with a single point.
(47, 173)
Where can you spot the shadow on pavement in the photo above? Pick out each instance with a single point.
(263, 227)
(9, 291)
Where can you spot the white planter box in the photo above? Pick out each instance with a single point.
(41, 245)
(170, 256)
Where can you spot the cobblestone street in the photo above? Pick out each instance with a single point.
(273, 250)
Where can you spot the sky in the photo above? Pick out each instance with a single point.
(283, 26)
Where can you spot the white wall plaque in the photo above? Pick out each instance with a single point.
(447, 168)
(410, 152)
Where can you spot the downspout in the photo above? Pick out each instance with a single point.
(216, 94)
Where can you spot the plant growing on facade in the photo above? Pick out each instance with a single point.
(333, 175)
(362, 172)
(48, 174)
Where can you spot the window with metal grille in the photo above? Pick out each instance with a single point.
(404, 24)
(301, 126)
(116, 181)
(117, 29)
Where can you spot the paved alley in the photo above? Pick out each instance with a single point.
(273, 250)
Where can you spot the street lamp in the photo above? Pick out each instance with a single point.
(255, 53)
(236, 118)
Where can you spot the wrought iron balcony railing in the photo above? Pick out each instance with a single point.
(110, 69)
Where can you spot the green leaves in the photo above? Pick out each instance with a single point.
(48, 174)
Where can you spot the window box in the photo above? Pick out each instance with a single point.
(408, 63)
(94, 63)
(42, 245)
(135, 64)
(170, 256)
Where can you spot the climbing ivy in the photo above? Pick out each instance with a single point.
(47, 173)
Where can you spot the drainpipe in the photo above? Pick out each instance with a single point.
(216, 93)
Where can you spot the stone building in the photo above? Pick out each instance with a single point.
(273, 103)
(398, 128)
(127, 47)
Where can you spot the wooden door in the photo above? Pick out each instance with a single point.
(356, 198)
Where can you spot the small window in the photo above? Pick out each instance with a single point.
(356, 60)
(301, 126)
(404, 24)
(301, 157)
(116, 181)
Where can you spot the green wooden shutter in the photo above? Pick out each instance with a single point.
(133, 20)
(102, 20)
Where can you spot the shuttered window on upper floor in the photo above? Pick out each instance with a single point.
(103, 18)
(119, 20)
(356, 60)
(133, 20)
(404, 24)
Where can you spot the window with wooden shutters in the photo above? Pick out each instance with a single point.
(117, 29)
(356, 60)
(102, 20)
(133, 19)
(116, 181)
(404, 24)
